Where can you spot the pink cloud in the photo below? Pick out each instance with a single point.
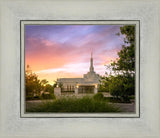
(44, 55)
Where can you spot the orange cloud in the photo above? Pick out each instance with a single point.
(70, 56)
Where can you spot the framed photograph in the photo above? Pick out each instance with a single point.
(79, 69)
(57, 88)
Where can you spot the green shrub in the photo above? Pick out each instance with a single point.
(32, 97)
(98, 96)
(132, 97)
(73, 104)
(48, 96)
(113, 100)
(103, 88)
(36, 97)
(122, 87)
(29, 97)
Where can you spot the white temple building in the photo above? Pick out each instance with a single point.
(89, 82)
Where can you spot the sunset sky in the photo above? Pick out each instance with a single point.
(64, 51)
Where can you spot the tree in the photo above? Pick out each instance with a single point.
(121, 82)
(49, 88)
(121, 86)
(32, 85)
(126, 61)
(49, 92)
(44, 82)
(103, 86)
(116, 85)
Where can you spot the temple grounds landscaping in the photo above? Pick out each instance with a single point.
(89, 103)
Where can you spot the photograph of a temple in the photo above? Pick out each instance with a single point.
(89, 82)
(79, 68)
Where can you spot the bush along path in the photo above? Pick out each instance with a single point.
(72, 104)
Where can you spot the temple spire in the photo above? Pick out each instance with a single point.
(91, 64)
